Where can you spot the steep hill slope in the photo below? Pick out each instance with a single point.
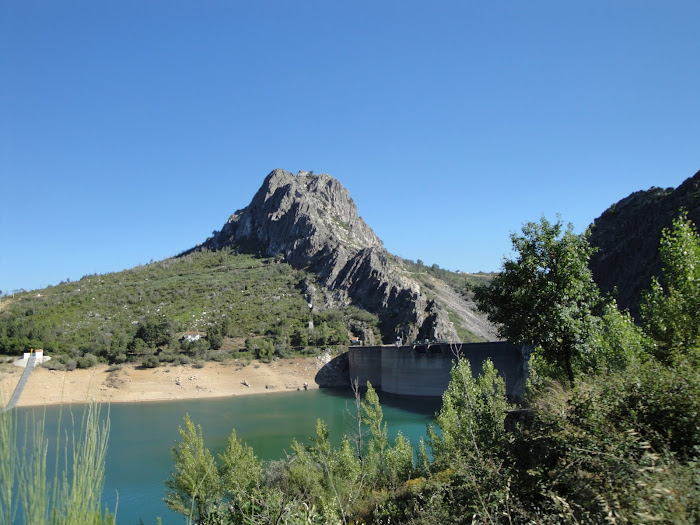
(627, 237)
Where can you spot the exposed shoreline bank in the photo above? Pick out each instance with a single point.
(133, 384)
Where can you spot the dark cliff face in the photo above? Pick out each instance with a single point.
(312, 221)
(627, 237)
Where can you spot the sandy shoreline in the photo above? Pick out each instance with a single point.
(134, 384)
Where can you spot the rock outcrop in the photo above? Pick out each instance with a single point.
(313, 223)
(627, 237)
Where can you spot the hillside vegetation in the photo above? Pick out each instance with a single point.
(241, 302)
(142, 312)
(454, 291)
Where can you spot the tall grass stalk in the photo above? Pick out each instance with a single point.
(80, 493)
(8, 464)
(74, 493)
(33, 480)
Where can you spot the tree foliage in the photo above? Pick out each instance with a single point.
(471, 417)
(671, 309)
(618, 344)
(155, 331)
(194, 488)
(546, 296)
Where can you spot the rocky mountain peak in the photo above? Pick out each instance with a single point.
(305, 217)
(313, 222)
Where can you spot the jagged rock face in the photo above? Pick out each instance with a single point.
(313, 222)
(311, 219)
(627, 237)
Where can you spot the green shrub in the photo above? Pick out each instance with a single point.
(182, 360)
(150, 361)
(608, 451)
(87, 361)
(264, 350)
(166, 357)
(661, 403)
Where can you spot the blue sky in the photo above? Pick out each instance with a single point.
(130, 130)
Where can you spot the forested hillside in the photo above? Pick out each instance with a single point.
(142, 312)
(238, 302)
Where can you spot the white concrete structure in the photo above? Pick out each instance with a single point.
(40, 358)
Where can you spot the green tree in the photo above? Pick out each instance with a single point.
(331, 478)
(155, 331)
(139, 346)
(299, 335)
(471, 417)
(374, 458)
(671, 311)
(117, 345)
(546, 296)
(619, 343)
(470, 449)
(240, 471)
(194, 488)
(227, 327)
(196, 349)
(321, 334)
(265, 350)
(251, 344)
(215, 336)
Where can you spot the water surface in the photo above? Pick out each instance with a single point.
(139, 458)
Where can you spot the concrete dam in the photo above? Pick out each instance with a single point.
(424, 370)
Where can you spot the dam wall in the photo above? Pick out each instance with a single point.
(366, 366)
(424, 370)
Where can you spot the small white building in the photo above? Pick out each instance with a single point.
(40, 358)
(191, 337)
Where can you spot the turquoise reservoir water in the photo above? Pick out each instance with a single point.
(139, 458)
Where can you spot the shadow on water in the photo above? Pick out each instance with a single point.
(423, 405)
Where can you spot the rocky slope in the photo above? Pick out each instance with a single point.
(311, 221)
(627, 237)
(464, 309)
